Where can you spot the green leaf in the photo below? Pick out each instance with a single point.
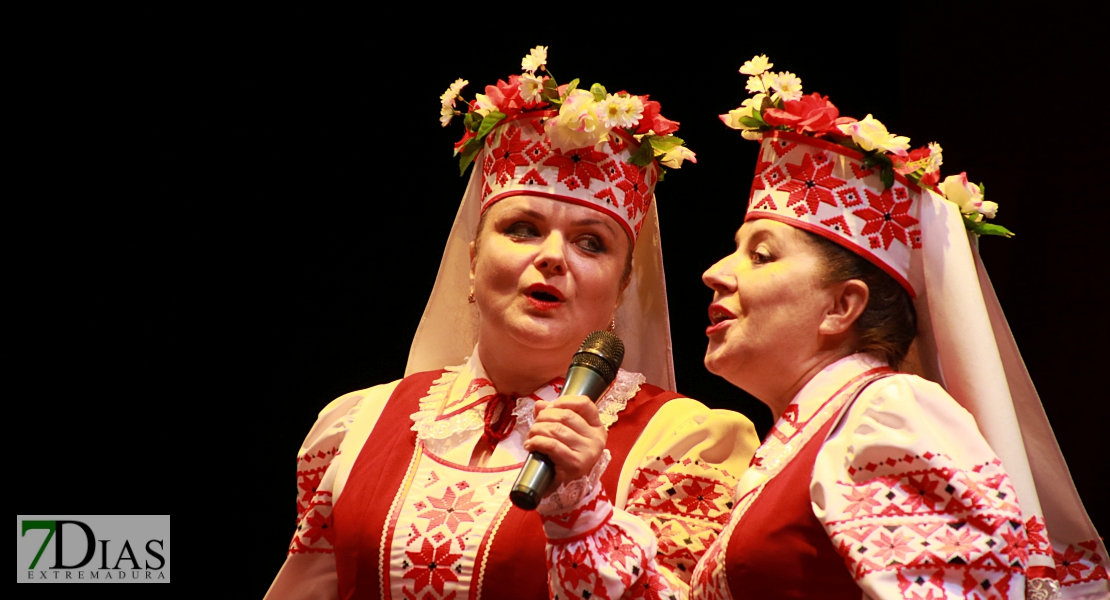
(598, 91)
(982, 228)
(573, 85)
(492, 119)
(643, 156)
(752, 123)
(886, 175)
(662, 172)
(551, 90)
(983, 190)
(662, 143)
(471, 121)
(989, 229)
(469, 151)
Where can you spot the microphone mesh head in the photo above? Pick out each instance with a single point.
(604, 345)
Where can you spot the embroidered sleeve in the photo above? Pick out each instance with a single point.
(915, 501)
(309, 569)
(676, 495)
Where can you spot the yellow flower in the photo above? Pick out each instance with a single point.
(673, 158)
(757, 65)
(578, 124)
(536, 59)
(870, 134)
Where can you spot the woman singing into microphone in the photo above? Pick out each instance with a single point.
(403, 488)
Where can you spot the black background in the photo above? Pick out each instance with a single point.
(228, 220)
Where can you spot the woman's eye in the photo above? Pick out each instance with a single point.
(522, 229)
(590, 243)
(760, 257)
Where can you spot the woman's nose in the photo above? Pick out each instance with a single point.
(718, 277)
(551, 257)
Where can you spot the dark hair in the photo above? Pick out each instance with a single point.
(626, 276)
(888, 324)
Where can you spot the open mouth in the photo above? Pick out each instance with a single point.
(544, 293)
(719, 314)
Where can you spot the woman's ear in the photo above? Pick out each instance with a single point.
(849, 301)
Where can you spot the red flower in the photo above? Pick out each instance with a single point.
(652, 120)
(432, 565)
(809, 114)
(506, 96)
(889, 219)
(811, 185)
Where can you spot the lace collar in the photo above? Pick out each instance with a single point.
(456, 390)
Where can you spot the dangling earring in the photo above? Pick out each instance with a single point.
(612, 324)
(470, 298)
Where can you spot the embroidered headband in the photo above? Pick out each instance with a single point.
(589, 147)
(849, 181)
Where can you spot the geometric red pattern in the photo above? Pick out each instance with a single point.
(811, 184)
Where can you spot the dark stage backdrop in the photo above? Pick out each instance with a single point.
(264, 225)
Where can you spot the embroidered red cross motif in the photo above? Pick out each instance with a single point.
(811, 185)
(577, 168)
(509, 155)
(782, 146)
(886, 217)
(634, 188)
(450, 510)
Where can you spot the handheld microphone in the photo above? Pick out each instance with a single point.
(591, 371)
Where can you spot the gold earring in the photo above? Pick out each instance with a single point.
(470, 298)
(613, 324)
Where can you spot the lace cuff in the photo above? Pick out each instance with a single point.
(1039, 588)
(569, 495)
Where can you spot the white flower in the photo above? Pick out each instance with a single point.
(988, 209)
(484, 104)
(870, 134)
(446, 113)
(958, 190)
(787, 86)
(535, 59)
(935, 158)
(748, 108)
(448, 97)
(531, 87)
(578, 124)
(673, 158)
(758, 84)
(757, 65)
(621, 111)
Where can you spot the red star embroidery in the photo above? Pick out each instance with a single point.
(577, 168)
(921, 493)
(508, 156)
(319, 526)
(635, 190)
(432, 565)
(1068, 564)
(1016, 546)
(699, 497)
(575, 567)
(811, 185)
(886, 217)
(861, 500)
(1034, 528)
(450, 510)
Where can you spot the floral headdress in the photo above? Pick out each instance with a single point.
(778, 104)
(585, 146)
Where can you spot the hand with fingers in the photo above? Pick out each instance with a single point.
(570, 433)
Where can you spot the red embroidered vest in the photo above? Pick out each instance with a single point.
(515, 565)
(779, 549)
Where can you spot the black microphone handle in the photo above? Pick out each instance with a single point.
(538, 471)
